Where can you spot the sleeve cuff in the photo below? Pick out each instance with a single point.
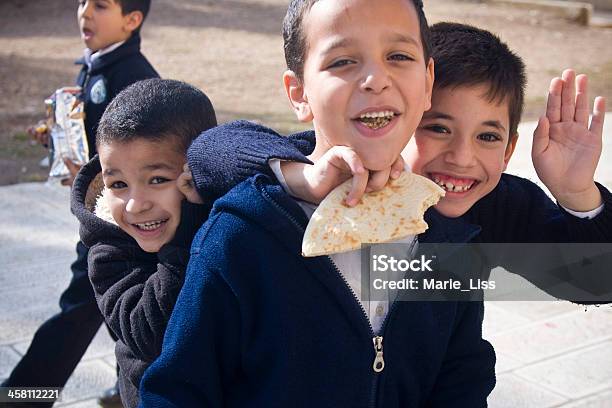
(585, 214)
(275, 165)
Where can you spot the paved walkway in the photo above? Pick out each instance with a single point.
(550, 354)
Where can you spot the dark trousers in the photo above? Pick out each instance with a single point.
(59, 344)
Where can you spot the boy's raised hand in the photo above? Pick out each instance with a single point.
(566, 149)
(185, 186)
(313, 183)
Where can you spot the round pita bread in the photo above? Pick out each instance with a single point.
(390, 214)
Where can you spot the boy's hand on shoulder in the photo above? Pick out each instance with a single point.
(186, 186)
(566, 149)
(313, 183)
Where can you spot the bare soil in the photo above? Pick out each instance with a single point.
(232, 49)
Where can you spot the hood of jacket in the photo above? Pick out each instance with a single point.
(87, 191)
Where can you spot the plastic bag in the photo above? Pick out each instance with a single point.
(68, 138)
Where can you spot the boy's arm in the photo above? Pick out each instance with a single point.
(228, 154)
(136, 291)
(521, 212)
(467, 375)
(224, 156)
(566, 149)
(201, 346)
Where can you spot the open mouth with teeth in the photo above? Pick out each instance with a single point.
(150, 226)
(453, 184)
(376, 120)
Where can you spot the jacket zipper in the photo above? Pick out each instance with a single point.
(378, 364)
(379, 361)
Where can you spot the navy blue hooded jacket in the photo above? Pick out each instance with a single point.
(258, 325)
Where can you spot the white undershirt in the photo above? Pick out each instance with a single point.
(90, 56)
(349, 263)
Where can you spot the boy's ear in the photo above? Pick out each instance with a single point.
(510, 149)
(430, 74)
(297, 96)
(132, 20)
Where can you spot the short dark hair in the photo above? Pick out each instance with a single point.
(294, 38)
(127, 6)
(157, 110)
(468, 56)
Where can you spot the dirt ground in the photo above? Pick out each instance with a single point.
(232, 49)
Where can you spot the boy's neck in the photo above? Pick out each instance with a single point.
(91, 55)
(105, 50)
(110, 47)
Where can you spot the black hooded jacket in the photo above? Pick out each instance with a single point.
(135, 290)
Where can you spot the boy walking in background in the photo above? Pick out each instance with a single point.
(256, 324)
(112, 60)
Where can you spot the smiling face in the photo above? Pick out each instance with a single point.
(102, 23)
(462, 145)
(365, 83)
(144, 197)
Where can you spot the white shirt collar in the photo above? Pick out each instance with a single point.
(90, 56)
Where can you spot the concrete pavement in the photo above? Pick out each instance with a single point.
(550, 354)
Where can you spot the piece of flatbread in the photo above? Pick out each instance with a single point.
(390, 214)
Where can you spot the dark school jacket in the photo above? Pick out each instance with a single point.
(109, 75)
(135, 290)
(258, 325)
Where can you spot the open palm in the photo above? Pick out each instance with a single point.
(566, 149)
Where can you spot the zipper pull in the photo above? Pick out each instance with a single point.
(379, 361)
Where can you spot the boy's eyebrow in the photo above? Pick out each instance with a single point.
(345, 42)
(149, 167)
(110, 172)
(337, 43)
(494, 123)
(157, 166)
(437, 115)
(400, 37)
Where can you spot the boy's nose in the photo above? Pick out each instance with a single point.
(137, 204)
(460, 152)
(85, 9)
(376, 79)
